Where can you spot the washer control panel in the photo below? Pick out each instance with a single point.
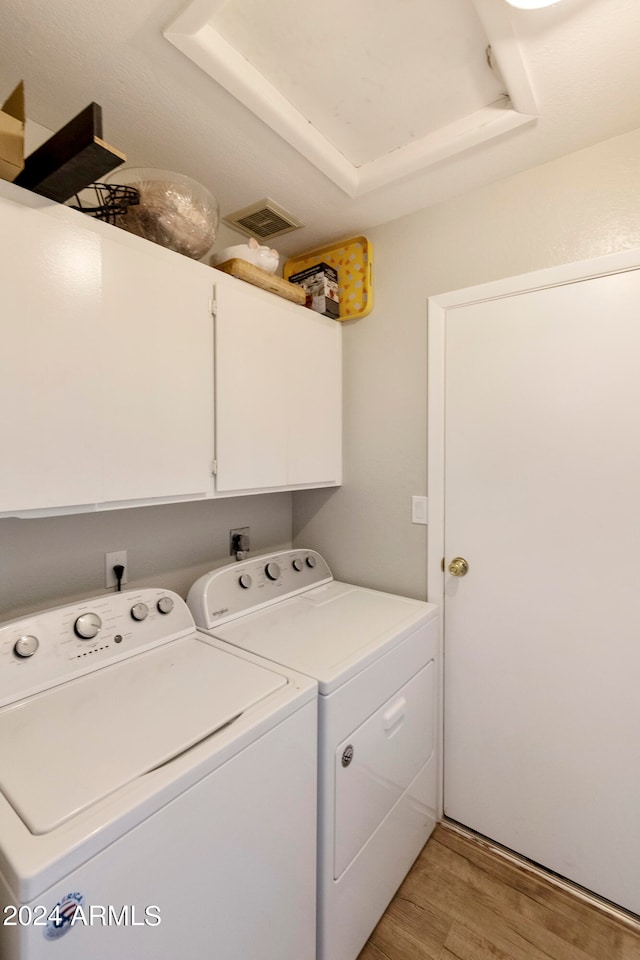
(238, 588)
(48, 648)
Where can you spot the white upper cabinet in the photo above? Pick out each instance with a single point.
(251, 430)
(50, 283)
(107, 372)
(278, 392)
(157, 356)
(107, 364)
(314, 399)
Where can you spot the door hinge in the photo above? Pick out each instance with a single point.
(214, 468)
(213, 304)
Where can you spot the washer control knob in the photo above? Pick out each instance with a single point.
(139, 611)
(297, 564)
(245, 581)
(165, 604)
(25, 646)
(88, 626)
(272, 570)
(311, 561)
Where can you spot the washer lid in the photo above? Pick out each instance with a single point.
(330, 632)
(66, 748)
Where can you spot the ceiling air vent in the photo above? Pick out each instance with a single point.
(263, 220)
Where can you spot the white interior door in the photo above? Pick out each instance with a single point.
(542, 641)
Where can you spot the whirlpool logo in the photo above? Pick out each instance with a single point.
(61, 917)
(71, 912)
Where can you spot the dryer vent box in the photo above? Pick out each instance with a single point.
(263, 220)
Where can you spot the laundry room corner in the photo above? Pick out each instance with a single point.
(364, 528)
(578, 206)
(52, 560)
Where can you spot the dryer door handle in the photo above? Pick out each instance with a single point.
(392, 717)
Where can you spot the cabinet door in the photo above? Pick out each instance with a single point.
(314, 403)
(278, 391)
(251, 387)
(157, 345)
(50, 362)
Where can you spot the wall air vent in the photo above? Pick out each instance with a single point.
(263, 220)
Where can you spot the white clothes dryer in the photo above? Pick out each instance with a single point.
(375, 658)
(157, 789)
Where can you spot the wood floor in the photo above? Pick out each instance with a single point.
(462, 901)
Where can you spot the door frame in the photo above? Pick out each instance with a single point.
(438, 307)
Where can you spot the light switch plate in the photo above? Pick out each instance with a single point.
(419, 510)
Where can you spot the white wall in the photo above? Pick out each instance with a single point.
(52, 560)
(579, 206)
(35, 135)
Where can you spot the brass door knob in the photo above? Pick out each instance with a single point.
(458, 567)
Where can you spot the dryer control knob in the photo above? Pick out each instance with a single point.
(165, 604)
(88, 626)
(311, 561)
(245, 581)
(297, 564)
(272, 570)
(139, 611)
(25, 646)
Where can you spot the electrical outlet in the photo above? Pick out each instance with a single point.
(239, 541)
(110, 561)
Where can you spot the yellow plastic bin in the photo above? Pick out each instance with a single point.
(353, 259)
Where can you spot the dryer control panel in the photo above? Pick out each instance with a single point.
(47, 648)
(238, 588)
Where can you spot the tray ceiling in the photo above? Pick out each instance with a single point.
(367, 99)
(580, 57)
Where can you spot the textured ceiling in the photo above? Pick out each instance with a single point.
(373, 83)
(574, 65)
(367, 100)
(370, 84)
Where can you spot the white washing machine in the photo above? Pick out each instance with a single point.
(374, 656)
(157, 790)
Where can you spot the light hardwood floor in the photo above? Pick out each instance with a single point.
(462, 901)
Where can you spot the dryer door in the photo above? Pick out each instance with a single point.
(378, 761)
